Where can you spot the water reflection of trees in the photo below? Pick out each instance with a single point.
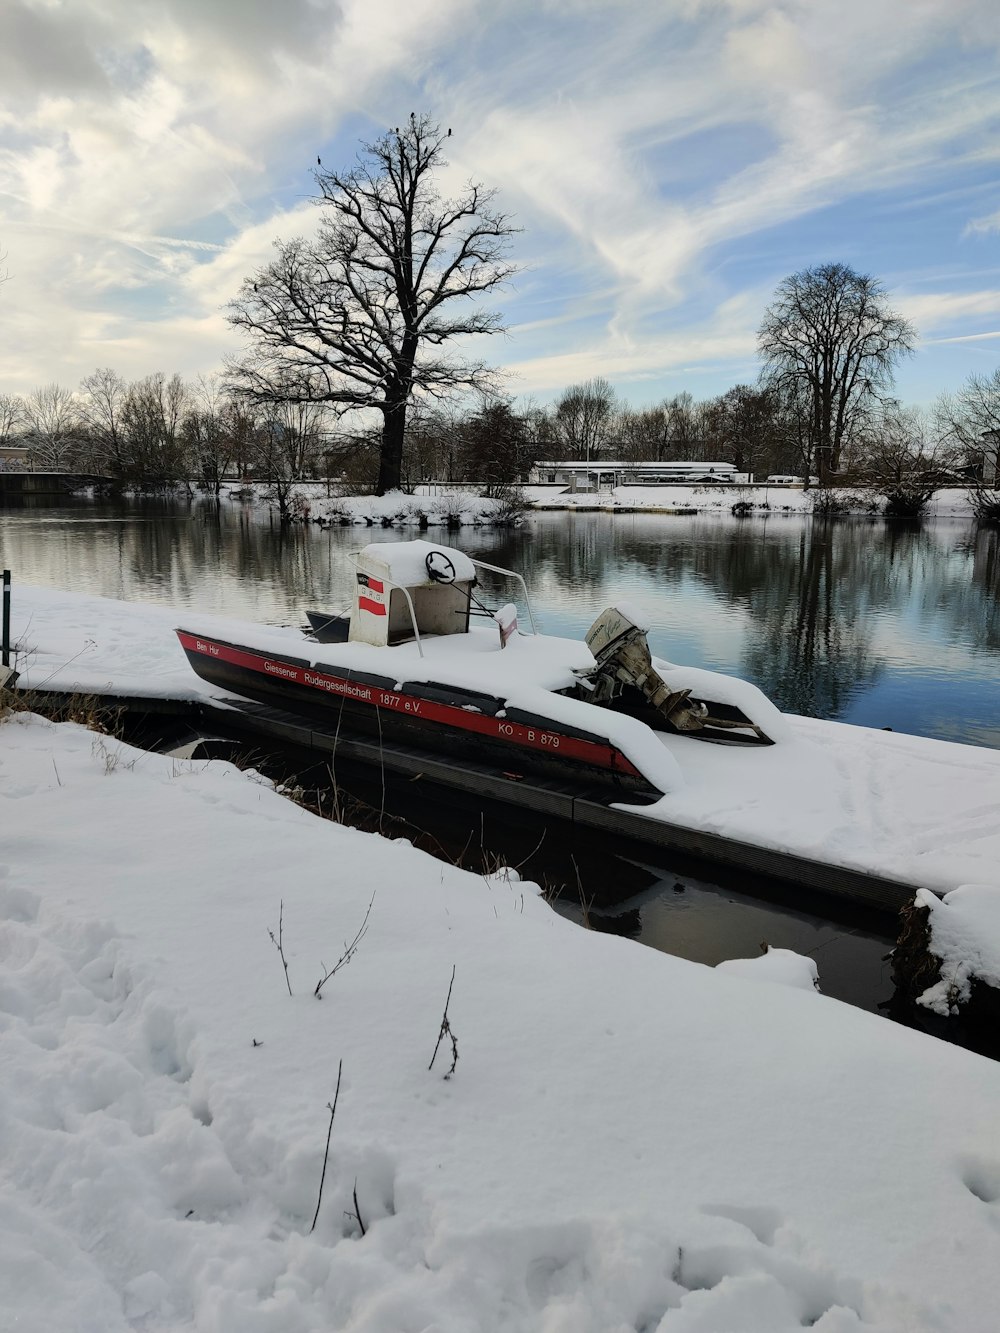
(971, 607)
(227, 558)
(808, 590)
(810, 644)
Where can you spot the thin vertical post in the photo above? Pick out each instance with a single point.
(6, 618)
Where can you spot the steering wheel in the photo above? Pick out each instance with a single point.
(440, 567)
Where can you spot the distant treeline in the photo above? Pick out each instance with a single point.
(160, 430)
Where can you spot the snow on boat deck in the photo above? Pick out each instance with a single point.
(919, 811)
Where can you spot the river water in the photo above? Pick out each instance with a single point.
(860, 620)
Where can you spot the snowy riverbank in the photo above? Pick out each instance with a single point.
(628, 1141)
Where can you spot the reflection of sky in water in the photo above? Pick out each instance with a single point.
(873, 624)
(930, 703)
(691, 918)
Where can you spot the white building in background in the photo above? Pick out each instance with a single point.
(593, 476)
(14, 458)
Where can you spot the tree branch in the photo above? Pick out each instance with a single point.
(349, 951)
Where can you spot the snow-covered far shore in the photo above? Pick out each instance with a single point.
(756, 501)
(919, 811)
(628, 1141)
(440, 505)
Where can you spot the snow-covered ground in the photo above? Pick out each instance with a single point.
(965, 935)
(762, 500)
(628, 1142)
(917, 810)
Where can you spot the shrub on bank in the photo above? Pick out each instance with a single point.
(985, 502)
(450, 510)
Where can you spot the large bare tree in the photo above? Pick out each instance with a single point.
(831, 340)
(359, 316)
(584, 415)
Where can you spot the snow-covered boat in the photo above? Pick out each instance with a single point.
(420, 661)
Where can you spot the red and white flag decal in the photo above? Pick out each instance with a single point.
(371, 595)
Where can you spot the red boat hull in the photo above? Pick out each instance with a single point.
(431, 716)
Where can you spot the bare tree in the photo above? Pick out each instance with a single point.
(583, 416)
(53, 426)
(496, 447)
(903, 461)
(287, 445)
(151, 419)
(540, 429)
(971, 420)
(435, 442)
(683, 428)
(102, 411)
(242, 420)
(642, 436)
(358, 317)
(12, 416)
(206, 431)
(831, 339)
(741, 426)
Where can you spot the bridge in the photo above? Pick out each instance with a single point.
(22, 485)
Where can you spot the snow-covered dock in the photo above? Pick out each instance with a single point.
(880, 810)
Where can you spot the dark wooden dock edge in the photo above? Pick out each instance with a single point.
(252, 721)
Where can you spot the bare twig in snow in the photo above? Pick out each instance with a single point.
(349, 951)
(446, 1032)
(537, 848)
(585, 903)
(279, 943)
(332, 1107)
(357, 1211)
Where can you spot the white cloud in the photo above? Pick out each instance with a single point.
(985, 225)
(935, 312)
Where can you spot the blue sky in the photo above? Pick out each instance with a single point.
(668, 163)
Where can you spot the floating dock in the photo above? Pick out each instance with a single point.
(575, 807)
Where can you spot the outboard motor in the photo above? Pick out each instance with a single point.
(623, 658)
